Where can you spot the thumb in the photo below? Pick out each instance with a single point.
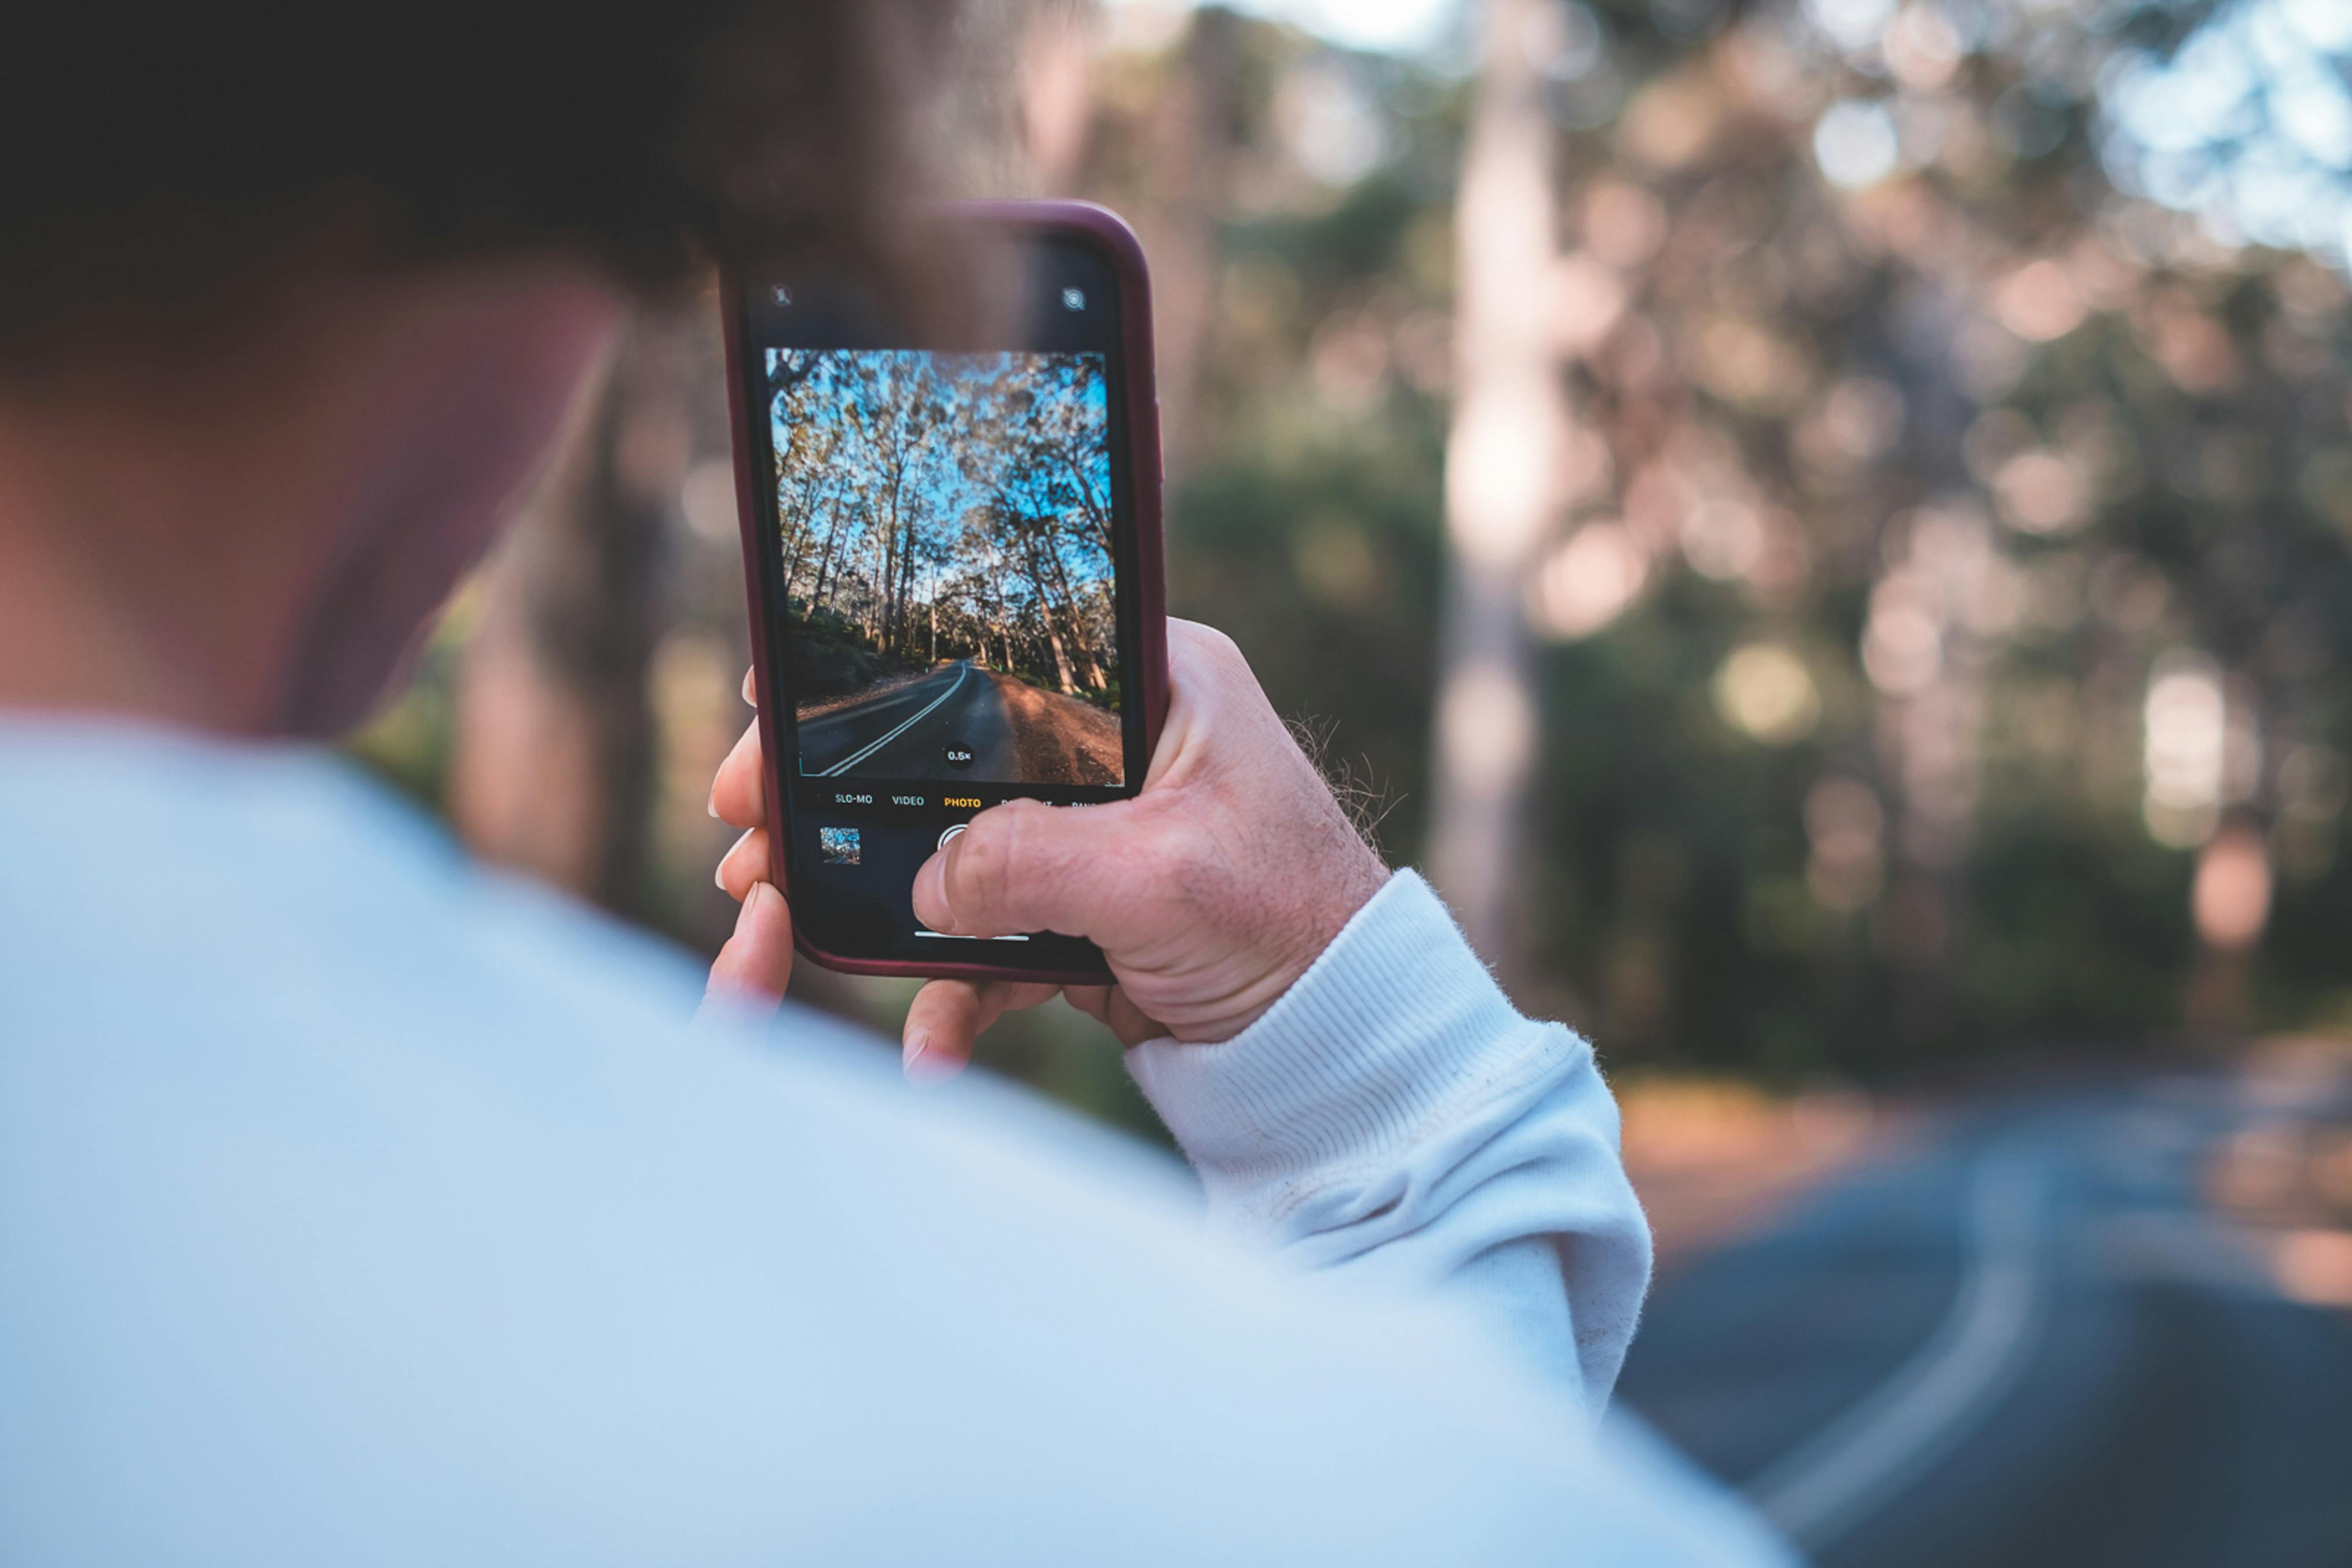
(1027, 866)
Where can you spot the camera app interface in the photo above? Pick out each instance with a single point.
(945, 530)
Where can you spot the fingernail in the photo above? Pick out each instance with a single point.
(924, 1066)
(719, 876)
(711, 805)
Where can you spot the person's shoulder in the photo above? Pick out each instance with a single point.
(270, 938)
(418, 1175)
(276, 884)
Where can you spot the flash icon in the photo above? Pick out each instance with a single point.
(781, 295)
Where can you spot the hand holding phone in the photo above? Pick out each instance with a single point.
(952, 543)
(1208, 895)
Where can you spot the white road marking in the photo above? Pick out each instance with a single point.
(1835, 1478)
(953, 687)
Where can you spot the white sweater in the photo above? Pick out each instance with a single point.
(1393, 1117)
(358, 1206)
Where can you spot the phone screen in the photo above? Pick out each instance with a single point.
(948, 534)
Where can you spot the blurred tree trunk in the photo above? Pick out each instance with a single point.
(1191, 138)
(1933, 739)
(1056, 88)
(1509, 411)
(1933, 563)
(554, 771)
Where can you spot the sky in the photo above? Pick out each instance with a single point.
(945, 488)
(2249, 125)
(2284, 185)
(1387, 24)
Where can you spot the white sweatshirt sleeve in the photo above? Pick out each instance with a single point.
(1393, 1117)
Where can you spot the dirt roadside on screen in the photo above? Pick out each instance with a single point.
(1059, 739)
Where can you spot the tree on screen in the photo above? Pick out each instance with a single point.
(948, 507)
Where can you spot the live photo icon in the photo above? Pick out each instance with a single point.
(1073, 299)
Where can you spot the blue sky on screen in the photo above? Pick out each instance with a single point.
(952, 478)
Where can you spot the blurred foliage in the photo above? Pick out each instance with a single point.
(1948, 620)
(1914, 446)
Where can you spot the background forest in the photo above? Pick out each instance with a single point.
(1825, 528)
(1920, 635)
(945, 507)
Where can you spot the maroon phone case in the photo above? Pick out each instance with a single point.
(1110, 237)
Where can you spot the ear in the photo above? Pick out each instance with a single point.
(464, 408)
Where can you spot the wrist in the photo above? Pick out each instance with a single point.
(1294, 948)
(1396, 1027)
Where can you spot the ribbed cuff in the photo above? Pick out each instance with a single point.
(1397, 1027)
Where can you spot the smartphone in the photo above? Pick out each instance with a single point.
(951, 545)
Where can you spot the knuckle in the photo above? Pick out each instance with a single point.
(1223, 652)
(1178, 858)
(1206, 647)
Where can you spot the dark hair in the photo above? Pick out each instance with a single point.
(160, 162)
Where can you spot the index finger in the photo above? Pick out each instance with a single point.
(948, 1016)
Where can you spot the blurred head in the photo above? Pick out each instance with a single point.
(291, 309)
